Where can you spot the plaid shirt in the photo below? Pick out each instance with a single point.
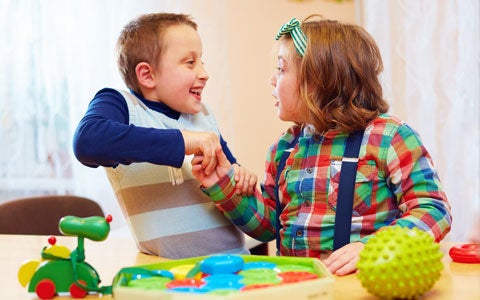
(396, 184)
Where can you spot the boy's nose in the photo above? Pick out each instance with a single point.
(202, 74)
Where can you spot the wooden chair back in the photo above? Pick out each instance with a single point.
(40, 215)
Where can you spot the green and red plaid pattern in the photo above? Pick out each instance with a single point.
(396, 184)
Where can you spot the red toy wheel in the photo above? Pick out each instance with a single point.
(76, 291)
(466, 253)
(45, 289)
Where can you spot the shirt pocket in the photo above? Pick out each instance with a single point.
(367, 174)
(367, 171)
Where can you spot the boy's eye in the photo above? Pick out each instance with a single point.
(279, 70)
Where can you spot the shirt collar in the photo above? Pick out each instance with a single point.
(159, 107)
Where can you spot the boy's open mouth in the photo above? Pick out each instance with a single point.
(196, 91)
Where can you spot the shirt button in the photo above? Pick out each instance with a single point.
(309, 170)
(299, 233)
(307, 202)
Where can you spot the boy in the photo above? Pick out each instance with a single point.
(142, 138)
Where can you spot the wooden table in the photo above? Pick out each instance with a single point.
(458, 281)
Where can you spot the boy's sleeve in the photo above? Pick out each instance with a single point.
(104, 137)
(227, 151)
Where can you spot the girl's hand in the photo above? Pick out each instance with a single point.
(221, 169)
(246, 181)
(344, 261)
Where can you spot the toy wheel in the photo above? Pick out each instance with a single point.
(76, 291)
(465, 253)
(45, 289)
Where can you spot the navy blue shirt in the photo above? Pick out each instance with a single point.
(104, 136)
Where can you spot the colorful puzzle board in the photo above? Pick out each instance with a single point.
(130, 284)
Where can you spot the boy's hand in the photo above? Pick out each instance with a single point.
(205, 144)
(344, 261)
(221, 169)
(246, 181)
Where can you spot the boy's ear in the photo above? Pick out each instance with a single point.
(145, 75)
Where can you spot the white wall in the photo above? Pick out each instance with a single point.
(246, 115)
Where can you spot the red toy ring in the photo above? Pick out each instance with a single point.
(466, 253)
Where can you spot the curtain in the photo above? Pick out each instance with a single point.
(55, 55)
(431, 79)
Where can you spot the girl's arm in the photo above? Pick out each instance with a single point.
(415, 182)
(254, 215)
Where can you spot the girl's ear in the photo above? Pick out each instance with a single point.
(145, 75)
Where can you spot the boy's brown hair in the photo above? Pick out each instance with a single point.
(141, 40)
(339, 75)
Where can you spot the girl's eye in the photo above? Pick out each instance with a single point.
(279, 70)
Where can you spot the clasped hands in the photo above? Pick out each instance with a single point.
(210, 163)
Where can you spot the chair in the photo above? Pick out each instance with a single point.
(40, 215)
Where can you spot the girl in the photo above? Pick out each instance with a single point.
(327, 84)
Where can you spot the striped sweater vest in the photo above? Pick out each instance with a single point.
(172, 221)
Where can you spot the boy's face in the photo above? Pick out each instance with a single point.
(286, 85)
(181, 77)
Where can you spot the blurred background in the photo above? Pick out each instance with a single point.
(55, 55)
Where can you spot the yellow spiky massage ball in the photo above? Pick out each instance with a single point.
(400, 263)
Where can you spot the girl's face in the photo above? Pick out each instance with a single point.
(181, 77)
(286, 85)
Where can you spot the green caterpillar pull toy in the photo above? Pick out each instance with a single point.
(62, 271)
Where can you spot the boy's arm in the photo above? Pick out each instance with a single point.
(227, 151)
(104, 137)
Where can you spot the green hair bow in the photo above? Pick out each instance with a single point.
(299, 38)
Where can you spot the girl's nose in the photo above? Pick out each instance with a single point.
(273, 81)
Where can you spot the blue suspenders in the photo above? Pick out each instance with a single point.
(346, 188)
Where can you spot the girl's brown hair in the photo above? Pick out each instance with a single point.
(339, 76)
(141, 40)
